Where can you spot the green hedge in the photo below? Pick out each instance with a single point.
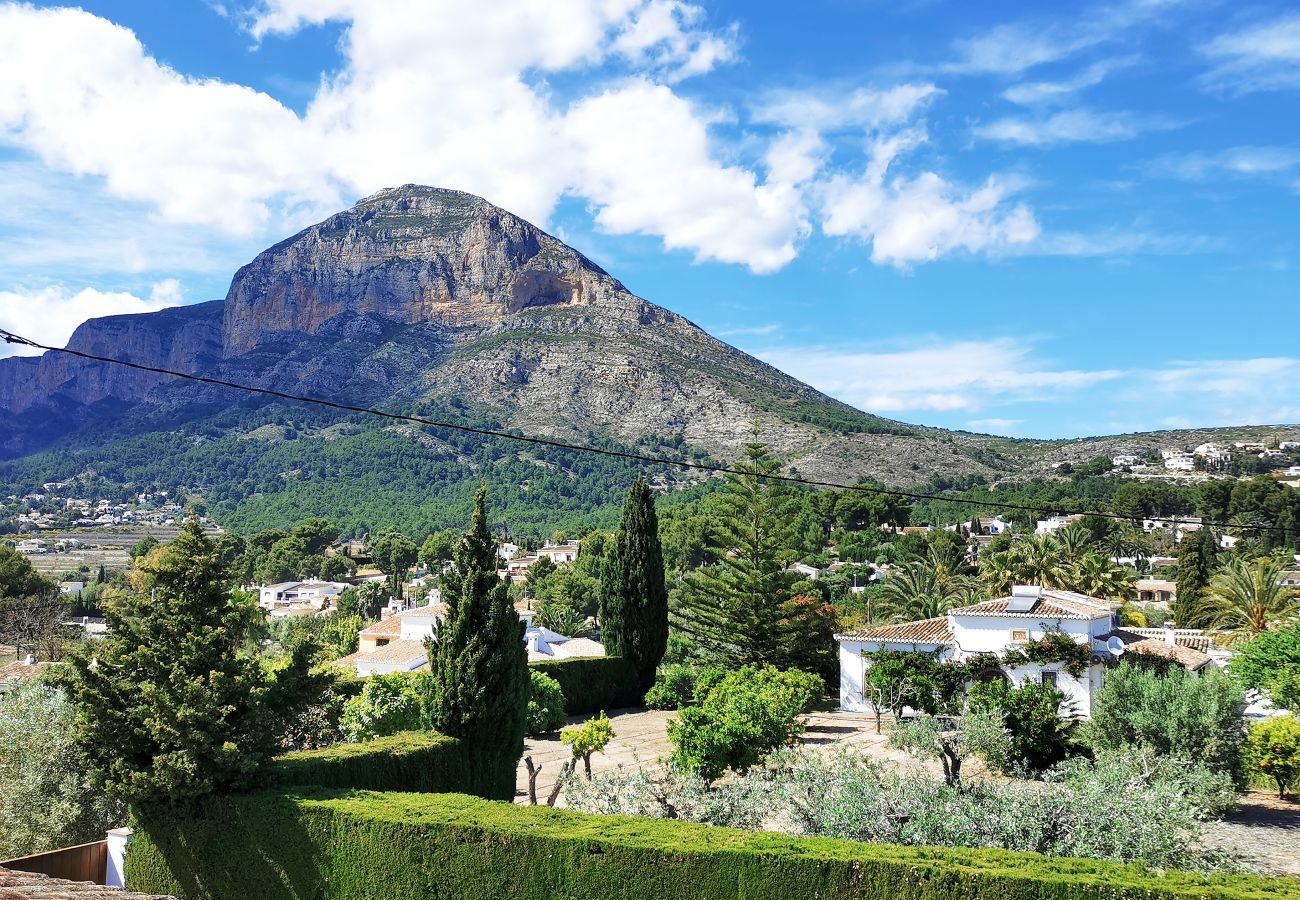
(421, 761)
(591, 684)
(356, 844)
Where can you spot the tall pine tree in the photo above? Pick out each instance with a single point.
(633, 597)
(1196, 565)
(480, 666)
(738, 610)
(167, 709)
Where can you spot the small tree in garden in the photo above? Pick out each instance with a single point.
(952, 739)
(891, 681)
(480, 666)
(1040, 735)
(592, 736)
(1178, 713)
(386, 705)
(166, 708)
(633, 597)
(742, 718)
(1274, 750)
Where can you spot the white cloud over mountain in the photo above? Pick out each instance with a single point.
(438, 92)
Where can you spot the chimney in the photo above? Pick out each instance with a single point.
(1170, 635)
(30, 660)
(533, 637)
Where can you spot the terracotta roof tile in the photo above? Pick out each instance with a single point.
(395, 651)
(1052, 604)
(1182, 651)
(15, 885)
(390, 627)
(926, 631)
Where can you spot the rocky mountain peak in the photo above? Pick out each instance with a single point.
(412, 255)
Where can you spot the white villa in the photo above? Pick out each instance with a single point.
(396, 642)
(314, 595)
(997, 626)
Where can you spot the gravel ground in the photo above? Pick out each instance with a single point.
(1263, 829)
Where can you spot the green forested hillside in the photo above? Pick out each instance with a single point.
(273, 466)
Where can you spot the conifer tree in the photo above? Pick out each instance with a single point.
(167, 710)
(633, 597)
(738, 610)
(480, 666)
(1196, 565)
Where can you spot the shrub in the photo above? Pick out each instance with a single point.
(591, 684)
(386, 705)
(1274, 750)
(420, 761)
(747, 714)
(1040, 735)
(340, 844)
(47, 798)
(1118, 810)
(545, 703)
(1178, 713)
(676, 684)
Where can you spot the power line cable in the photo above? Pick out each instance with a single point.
(11, 338)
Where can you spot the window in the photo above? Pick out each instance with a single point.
(1049, 678)
(1019, 635)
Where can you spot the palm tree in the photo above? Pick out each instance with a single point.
(1040, 560)
(1097, 576)
(1074, 542)
(1246, 598)
(917, 591)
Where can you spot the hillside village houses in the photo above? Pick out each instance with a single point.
(308, 596)
(1030, 613)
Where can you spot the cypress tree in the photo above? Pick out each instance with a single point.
(633, 597)
(1196, 565)
(167, 709)
(480, 666)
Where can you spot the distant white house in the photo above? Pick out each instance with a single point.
(1288, 445)
(1156, 590)
(1055, 524)
(1180, 462)
(31, 545)
(1293, 472)
(1124, 460)
(559, 553)
(314, 595)
(997, 626)
(396, 643)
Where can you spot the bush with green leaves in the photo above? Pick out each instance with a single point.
(742, 718)
(1271, 663)
(1178, 713)
(1123, 809)
(1274, 750)
(676, 684)
(1031, 713)
(545, 703)
(47, 797)
(387, 704)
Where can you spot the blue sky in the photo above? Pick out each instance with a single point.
(1031, 219)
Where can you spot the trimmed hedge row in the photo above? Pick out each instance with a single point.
(357, 844)
(421, 761)
(596, 683)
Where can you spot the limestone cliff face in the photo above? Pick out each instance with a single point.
(183, 338)
(411, 255)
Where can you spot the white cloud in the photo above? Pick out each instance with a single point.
(1261, 57)
(1250, 378)
(1070, 126)
(1035, 93)
(915, 219)
(1244, 161)
(429, 92)
(833, 110)
(936, 376)
(50, 314)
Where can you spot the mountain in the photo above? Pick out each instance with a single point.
(434, 300)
